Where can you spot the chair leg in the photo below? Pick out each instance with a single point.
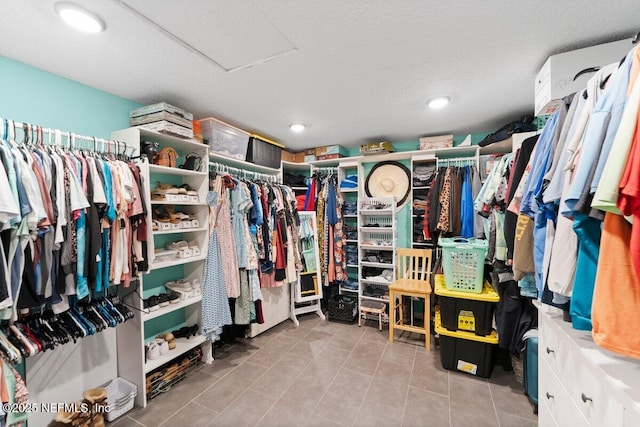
(427, 321)
(392, 313)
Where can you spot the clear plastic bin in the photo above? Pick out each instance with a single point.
(224, 139)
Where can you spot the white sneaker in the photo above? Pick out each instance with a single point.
(183, 287)
(163, 346)
(153, 350)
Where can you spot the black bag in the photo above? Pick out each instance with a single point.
(523, 125)
(192, 162)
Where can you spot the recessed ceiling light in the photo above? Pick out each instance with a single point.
(79, 18)
(438, 102)
(297, 127)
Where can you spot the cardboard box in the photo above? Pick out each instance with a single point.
(381, 147)
(435, 142)
(556, 79)
(309, 158)
(330, 149)
(293, 157)
(328, 156)
(310, 152)
(286, 156)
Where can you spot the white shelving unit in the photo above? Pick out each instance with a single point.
(376, 241)
(346, 168)
(133, 335)
(424, 160)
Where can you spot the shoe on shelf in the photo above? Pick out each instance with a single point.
(163, 346)
(168, 336)
(153, 350)
(182, 287)
(151, 304)
(186, 331)
(189, 190)
(164, 299)
(174, 297)
(178, 246)
(168, 189)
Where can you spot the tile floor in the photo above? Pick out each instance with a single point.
(331, 374)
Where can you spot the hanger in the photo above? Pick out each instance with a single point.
(586, 71)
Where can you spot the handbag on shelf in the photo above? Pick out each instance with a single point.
(191, 162)
(166, 157)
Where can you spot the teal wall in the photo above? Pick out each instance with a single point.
(30, 95)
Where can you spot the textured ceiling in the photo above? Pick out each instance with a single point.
(354, 71)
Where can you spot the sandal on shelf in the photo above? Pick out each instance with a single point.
(161, 215)
(166, 189)
(188, 190)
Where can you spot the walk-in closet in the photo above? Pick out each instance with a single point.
(285, 213)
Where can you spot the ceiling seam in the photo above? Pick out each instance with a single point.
(177, 39)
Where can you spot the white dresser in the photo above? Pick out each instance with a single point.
(581, 384)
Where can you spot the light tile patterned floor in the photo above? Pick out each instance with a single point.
(331, 374)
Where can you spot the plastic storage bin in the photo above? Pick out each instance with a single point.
(120, 396)
(463, 263)
(464, 311)
(224, 139)
(343, 308)
(264, 153)
(466, 351)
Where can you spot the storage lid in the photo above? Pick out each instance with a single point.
(262, 138)
(470, 336)
(212, 121)
(487, 294)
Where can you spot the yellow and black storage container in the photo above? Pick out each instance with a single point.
(467, 352)
(464, 311)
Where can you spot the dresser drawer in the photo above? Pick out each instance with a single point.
(556, 399)
(592, 396)
(545, 418)
(555, 349)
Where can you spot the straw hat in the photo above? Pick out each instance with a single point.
(389, 179)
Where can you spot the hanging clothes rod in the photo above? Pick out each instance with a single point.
(456, 161)
(242, 173)
(326, 169)
(55, 137)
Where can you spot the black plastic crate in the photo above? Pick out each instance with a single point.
(467, 352)
(263, 153)
(342, 308)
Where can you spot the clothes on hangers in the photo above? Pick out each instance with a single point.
(253, 244)
(331, 238)
(583, 170)
(50, 225)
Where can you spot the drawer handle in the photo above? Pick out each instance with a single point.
(586, 399)
(550, 350)
(551, 396)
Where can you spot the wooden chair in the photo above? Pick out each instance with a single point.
(413, 280)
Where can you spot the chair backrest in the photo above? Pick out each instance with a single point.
(414, 264)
